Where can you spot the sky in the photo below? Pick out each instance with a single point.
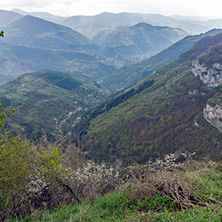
(93, 7)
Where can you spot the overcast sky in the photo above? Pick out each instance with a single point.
(93, 7)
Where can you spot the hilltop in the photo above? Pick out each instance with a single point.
(49, 102)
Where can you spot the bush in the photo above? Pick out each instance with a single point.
(14, 170)
(29, 180)
(92, 180)
(164, 190)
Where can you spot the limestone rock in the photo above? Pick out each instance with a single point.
(212, 77)
(214, 116)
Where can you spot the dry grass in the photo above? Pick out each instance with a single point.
(173, 185)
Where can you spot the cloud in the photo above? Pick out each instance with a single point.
(92, 7)
(24, 3)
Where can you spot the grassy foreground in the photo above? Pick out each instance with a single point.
(181, 195)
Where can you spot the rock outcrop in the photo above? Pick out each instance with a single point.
(212, 77)
(214, 116)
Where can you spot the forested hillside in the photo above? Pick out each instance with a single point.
(167, 116)
(49, 102)
(132, 74)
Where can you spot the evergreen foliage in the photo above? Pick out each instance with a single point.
(113, 102)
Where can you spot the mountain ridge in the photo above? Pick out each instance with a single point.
(131, 74)
(28, 30)
(134, 43)
(32, 44)
(166, 117)
(90, 25)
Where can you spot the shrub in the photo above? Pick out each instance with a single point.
(171, 188)
(14, 170)
(92, 179)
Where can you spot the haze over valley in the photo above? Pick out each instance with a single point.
(119, 112)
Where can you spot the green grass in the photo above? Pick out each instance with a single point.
(119, 206)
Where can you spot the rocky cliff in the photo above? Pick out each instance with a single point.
(214, 116)
(212, 76)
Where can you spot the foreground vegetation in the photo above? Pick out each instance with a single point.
(181, 195)
(59, 185)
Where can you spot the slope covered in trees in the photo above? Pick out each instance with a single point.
(49, 102)
(132, 74)
(164, 118)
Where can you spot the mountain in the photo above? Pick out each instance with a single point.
(176, 109)
(34, 32)
(91, 25)
(17, 60)
(132, 74)
(49, 102)
(4, 79)
(7, 17)
(32, 44)
(131, 44)
(43, 15)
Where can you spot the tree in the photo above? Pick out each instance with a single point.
(27, 178)
(14, 168)
(24, 174)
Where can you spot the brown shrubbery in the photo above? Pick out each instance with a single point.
(168, 184)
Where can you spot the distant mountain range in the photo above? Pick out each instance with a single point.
(43, 15)
(32, 44)
(35, 32)
(91, 25)
(176, 109)
(132, 74)
(134, 43)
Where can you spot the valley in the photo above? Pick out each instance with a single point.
(136, 101)
(160, 119)
(110, 117)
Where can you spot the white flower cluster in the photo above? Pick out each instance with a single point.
(169, 161)
(37, 186)
(187, 155)
(93, 179)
